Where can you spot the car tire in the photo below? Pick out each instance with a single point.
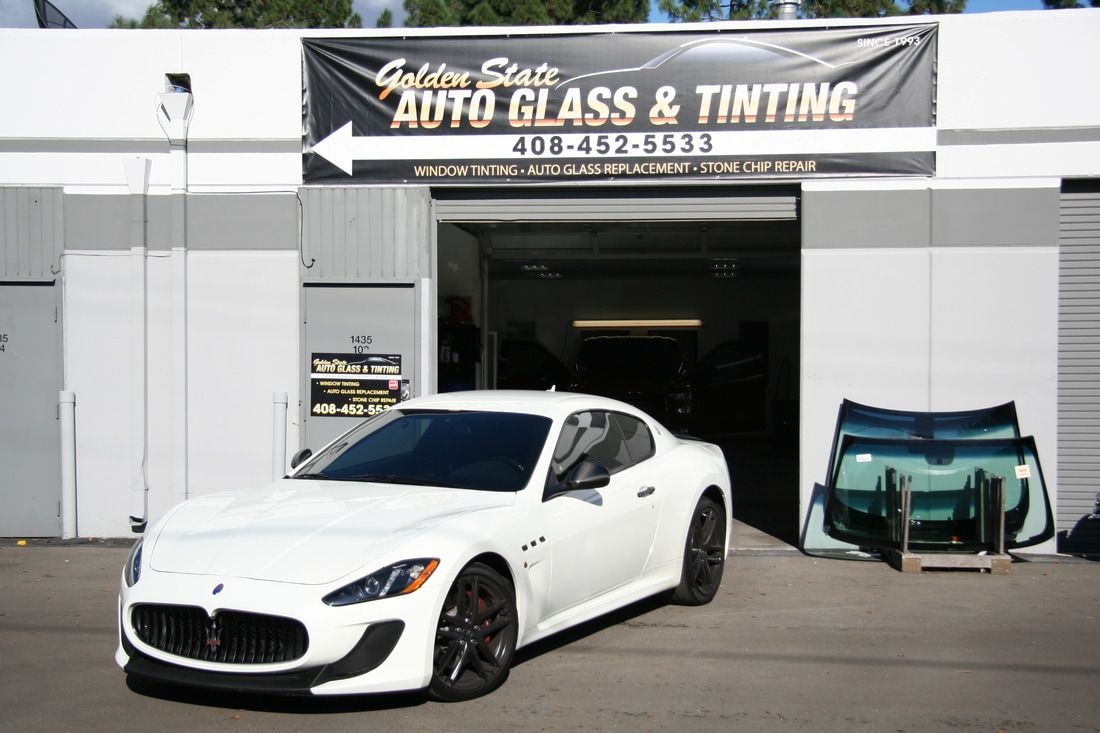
(475, 638)
(704, 555)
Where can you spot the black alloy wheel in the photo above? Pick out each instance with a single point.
(704, 555)
(475, 639)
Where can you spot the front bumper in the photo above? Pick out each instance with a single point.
(375, 646)
(378, 646)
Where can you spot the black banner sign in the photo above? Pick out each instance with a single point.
(665, 105)
(355, 385)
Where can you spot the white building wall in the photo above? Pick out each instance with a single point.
(242, 324)
(97, 368)
(865, 337)
(1018, 70)
(243, 331)
(76, 103)
(1009, 72)
(938, 326)
(996, 72)
(994, 332)
(928, 330)
(995, 338)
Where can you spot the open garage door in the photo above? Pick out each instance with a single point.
(685, 305)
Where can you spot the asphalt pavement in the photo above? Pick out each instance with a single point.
(791, 643)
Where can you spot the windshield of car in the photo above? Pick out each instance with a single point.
(489, 451)
(877, 422)
(950, 482)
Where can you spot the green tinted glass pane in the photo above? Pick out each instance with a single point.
(951, 487)
(876, 422)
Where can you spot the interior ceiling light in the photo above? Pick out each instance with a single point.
(724, 265)
(638, 323)
(533, 268)
(549, 275)
(724, 274)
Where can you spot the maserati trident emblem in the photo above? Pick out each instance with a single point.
(213, 634)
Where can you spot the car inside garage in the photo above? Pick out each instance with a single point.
(693, 319)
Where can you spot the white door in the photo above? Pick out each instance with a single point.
(601, 538)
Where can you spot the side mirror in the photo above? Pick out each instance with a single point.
(587, 475)
(300, 457)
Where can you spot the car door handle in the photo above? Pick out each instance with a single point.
(645, 491)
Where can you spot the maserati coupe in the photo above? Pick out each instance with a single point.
(422, 548)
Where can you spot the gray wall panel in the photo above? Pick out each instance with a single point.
(97, 222)
(998, 217)
(31, 232)
(841, 219)
(214, 222)
(30, 377)
(246, 221)
(1079, 367)
(940, 217)
(367, 233)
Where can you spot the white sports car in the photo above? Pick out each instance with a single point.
(423, 547)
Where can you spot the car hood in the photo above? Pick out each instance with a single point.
(302, 531)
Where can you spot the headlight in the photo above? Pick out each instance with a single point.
(394, 580)
(132, 571)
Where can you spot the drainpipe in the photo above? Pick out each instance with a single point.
(787, 9)
(278, 435)
(66, 418)
(175, 105)
(137, 182)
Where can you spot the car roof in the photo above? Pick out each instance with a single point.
(550, 404)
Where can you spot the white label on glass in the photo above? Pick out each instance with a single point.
(1023, 471)
(863, 458)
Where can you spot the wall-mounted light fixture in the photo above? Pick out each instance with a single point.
(638, 323)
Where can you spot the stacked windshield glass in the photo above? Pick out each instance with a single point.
(952, 474)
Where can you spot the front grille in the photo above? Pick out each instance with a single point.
(230, 637)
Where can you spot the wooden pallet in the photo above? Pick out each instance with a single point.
(911, 562)
(996, 562)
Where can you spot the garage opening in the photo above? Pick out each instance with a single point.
(693, 317)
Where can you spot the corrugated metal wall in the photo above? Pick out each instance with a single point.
(32, 233)
(353, 233)
(1079, 363)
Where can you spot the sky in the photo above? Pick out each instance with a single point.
(98, 13)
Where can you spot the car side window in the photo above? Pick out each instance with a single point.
(590, 436)
(636, 436)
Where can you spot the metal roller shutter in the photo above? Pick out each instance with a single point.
(779, 204)
(1079, 367)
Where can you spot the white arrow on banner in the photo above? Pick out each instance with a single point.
(342, 149)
